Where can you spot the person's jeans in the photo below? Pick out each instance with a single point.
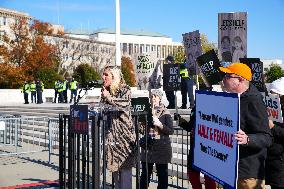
(162, 172)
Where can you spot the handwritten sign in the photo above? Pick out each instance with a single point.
(273, 105)
(215, 149)
(145, 64)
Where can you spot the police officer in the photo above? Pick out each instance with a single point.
(187, 83)
(39, 90)
(33, 91)
(26, 90)
(73, 88)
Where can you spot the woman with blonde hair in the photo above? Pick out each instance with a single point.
(120, 133)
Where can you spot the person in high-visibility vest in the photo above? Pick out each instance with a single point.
(33, 91)
(26, 90)
(187, 83)
(73, 87)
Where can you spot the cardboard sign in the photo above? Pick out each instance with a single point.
(171, 77)
(232, 36)
(273, 105)
(145, 65)
(209, 66)
(215, 147)
(192, 47)
(79, 119)
(142, 104)
(256, 67)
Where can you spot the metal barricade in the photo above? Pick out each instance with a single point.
(82, 158)
(23, 135)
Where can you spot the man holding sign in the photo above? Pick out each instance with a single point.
(254, 136)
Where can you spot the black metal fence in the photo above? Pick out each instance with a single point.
(82, 158)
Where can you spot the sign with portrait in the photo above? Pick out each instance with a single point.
(145, 67)
(209, 66)
(256, 67)
(192, 47)
(171, 77)
(215, 147)
(232, 36)
(79, 119)
(273, 105)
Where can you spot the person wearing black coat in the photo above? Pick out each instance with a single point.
(274, 164)
(194, 175)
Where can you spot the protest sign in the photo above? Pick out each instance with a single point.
(192, 47)
(209, 66)
(79, 119)
(232, 36)
(274, 111)
(256, 67)
(145, 64)
(171, 77)
(142, 105)
(215, 148)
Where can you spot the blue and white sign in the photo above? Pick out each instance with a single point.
(215, 147)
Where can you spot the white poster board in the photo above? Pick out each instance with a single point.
(146, 71)
(272, 102)
(215, 147)
(2, 126)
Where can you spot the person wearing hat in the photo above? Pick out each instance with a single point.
(274, 165)
(160, 150)
(254, 136)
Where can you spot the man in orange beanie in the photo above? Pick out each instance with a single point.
(254, 136)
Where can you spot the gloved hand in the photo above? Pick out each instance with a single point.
(157, 122)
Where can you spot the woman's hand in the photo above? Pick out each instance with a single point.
(157, 122)
(105, 92)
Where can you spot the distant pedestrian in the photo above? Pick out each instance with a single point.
(33, 91)
(26, 90)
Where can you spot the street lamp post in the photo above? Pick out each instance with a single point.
(117, 34)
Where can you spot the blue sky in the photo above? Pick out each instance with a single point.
(169, 17)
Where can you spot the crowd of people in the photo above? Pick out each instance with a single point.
(36, 88)
(261, 144)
